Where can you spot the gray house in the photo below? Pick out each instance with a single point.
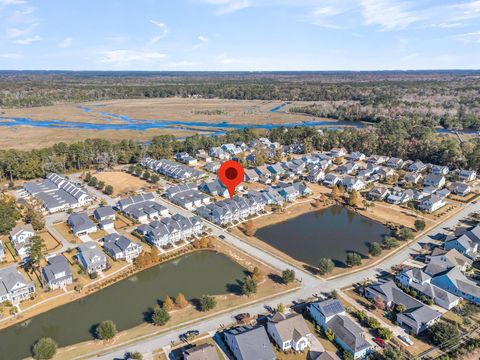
(91, 257)
(2, 252)
(13, 286)
(57, 273)
(417, 316)
(201, 352)
(81, 224)
(120, 247)
(249, 343)
(104, 213)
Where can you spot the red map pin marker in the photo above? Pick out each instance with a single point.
(231, 174)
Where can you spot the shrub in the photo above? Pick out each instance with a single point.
(375, 249)
(106, 330)
(288, 276)
(420, 225)
(325, 266)
(44, 349)
(207, 303)
(160, 316)
(353, 259)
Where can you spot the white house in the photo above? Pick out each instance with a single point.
(20, 239)
(467, 175)
(432, 203)
(289, 332)
(57, 273)
(13, 286)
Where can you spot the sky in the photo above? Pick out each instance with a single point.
(246, 35)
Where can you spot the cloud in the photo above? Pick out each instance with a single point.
(10, 56)
(202, 40)
(11, 2)
(13, 33)
(467, 38)
(229, 6)
(163, 31)
(129, 57)
(27, 40)
(388, 14)
(65, 43)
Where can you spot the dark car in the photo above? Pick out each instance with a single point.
(188, 335)
(222, 236)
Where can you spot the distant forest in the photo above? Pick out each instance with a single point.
(408, 139)
(447, 98)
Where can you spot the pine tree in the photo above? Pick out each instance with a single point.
(180, 301)
(168, 303)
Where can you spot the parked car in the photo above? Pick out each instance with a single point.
(221, 236)
(380, 342)
(405, 339)
(243, 318)
(188, 335)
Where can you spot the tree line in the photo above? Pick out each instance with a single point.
(413, 139)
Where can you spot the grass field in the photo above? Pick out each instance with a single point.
(122, 182)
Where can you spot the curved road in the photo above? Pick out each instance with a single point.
(309, 285)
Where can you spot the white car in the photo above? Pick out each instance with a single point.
(405, 339)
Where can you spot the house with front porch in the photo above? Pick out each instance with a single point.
(91, 258)
(57, 273)
(81, 224)
(330, 314)
(14, 287)
(289, 331)
(20, 239)
(120, 247)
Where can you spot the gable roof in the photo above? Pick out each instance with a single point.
(252, 342)
(289, 327)
(348, 332)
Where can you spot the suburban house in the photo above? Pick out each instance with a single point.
(464, 245)
(353, 183)
(417, 316)
(418, 280)
(81, 224)
(249, 342)
(445, 259)
(251, 175)
(13, 286)
(332, 180)
(142, 207)
(20, 239)
(214, 188)
(436, 181)
(432, 203)
(120, 247)
(172, 169)
(325, 355)
(56, 193)
(170, 230)
(356, 156)
(347, 168)
(394, 163)
(105, 215)
(202, 155)
(417, 167)
(57, 273)
(378, 193)
(330, 314)
(289, 331)
(440, 170)
(316, 175)
(212, 166)
(385, 172)
(218, 153)
(460, 188)
(233, 210)
(455, 282)
(91, 258)
(337, 152)
(467, 175)
(413, 178)
(377, 159)
(399, 196)
(185, 158)
(201, 352)
(187, 196)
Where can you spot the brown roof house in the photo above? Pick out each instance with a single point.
(289, 331)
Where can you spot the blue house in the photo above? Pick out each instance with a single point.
(454, 281)
(464, 245)
(330, 314)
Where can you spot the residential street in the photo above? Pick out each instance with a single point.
(310, 284)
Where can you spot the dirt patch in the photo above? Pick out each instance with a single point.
(122, 182)
(64, 230)
(50, 242)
